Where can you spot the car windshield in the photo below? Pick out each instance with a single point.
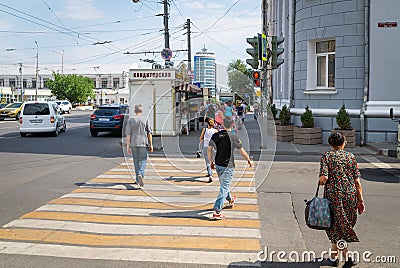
(14, 105)
(65, 103)
(36, 109)
(106, 111)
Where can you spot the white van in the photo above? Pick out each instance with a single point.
(41, 116)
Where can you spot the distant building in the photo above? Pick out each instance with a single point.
(205, 70)
(109, 88)
(339, 53)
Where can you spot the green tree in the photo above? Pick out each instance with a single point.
(307, 118)
(71, 87)
(343, 119)
(240, 78)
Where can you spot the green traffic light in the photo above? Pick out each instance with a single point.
(253, 62)
(276, 51)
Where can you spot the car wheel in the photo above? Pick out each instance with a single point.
(17, 117)
(55, 133)
(23, 134)
(94, 133)
(64, 127)
(69, 110)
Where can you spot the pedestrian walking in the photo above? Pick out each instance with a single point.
(138, 136)
(256, 108)
(210, 112)
(205, 136)
(225, 142)
(228, 109)
(184, 122)
(341, 177)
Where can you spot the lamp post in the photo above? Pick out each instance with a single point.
(62, 60)
(37, 70)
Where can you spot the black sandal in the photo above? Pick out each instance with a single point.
(349, 263)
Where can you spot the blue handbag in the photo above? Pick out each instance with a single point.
(318, 213)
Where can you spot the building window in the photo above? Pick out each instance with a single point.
(12, 83)
(45, 80)
(24, 83)
(325, 54)
(33, 83)
(116, 83)
(321, 66)
(104, 83)
(1, 82)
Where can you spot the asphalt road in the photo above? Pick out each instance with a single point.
(38, 169)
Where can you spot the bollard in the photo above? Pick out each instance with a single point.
(398, 141)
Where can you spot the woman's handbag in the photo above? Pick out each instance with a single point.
(318, 213)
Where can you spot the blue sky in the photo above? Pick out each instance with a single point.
(74, 26)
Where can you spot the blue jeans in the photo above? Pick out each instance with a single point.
(225, 175)
(209, 171)
(139, 155)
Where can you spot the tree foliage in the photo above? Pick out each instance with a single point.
(239, 78)
(284, 116)
(307, 118)
(343, 119)
(71, 87)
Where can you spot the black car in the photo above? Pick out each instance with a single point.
(108, 118)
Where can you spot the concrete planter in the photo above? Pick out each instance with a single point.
(350, 136)
(284, 133)
(308, 135)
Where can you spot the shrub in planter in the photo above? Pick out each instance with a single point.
(307, 134)
(307, 119)
(284, 116)
(343, 121)
(284, 131)
(274, 111)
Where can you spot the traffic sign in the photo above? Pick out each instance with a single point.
(166, 53)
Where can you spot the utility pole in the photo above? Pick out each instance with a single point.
(189, 50)
(21, 84)
(166, 30)
(37, 70)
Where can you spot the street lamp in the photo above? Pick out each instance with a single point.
(62, 60)
(37, 69)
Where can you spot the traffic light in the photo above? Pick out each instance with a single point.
(276, 51)
(256, 78)
(254, 52)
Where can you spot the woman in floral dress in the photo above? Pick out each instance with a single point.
(341, 177)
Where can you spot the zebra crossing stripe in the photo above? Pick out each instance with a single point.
(132, 254)
(122, 229)
(121, 219)
(170, 220)
(150, 205)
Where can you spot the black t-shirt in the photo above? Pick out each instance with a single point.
(225, 143)
(240, 110)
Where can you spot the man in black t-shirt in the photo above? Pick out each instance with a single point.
(225, 142)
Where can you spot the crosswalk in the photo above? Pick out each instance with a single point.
(168, 221)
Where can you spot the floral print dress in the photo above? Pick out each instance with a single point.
(341, 169)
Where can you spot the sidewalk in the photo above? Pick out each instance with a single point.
(188, 145)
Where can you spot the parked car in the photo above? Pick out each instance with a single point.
(12, 110)
(108, 118)
(41, 117)
(65, 106)
(2, 105)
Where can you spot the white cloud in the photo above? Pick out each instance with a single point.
(82, 10)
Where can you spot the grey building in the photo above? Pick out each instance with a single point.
(339, 52)
(205, 70)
